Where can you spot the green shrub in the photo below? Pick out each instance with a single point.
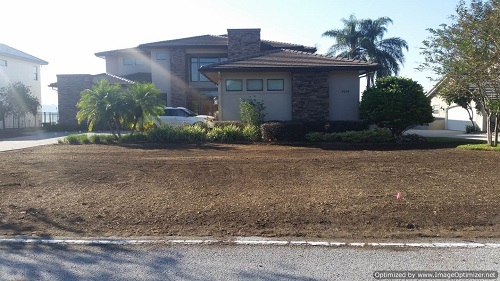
(65, 127)
(395, 103)
(366, 136)
(472, 129)
(76, 139)
(252, 133)
(272, 131)
(222, 124)
(225, 134)
(170, 134)
(297, 130)
(252, 111)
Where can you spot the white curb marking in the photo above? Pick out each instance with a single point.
(243, 241)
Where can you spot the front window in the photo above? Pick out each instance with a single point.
(197, 62)
(161, 56)
(254, 85)
(275, 84)
(3, 63)
(139, 62)
(35, 73)
(234, 85)
(128, 62)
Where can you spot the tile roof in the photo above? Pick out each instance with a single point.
(127, 50)
(15, 53)
(290, 59)
(221, 41)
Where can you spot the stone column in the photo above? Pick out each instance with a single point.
(310, 96)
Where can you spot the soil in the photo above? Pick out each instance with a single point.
(222, 190)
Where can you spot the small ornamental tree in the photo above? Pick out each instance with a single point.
(397, 104)
(252, 111)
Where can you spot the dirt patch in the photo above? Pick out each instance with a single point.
(250, 190)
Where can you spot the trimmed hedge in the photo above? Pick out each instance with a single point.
(297, 130)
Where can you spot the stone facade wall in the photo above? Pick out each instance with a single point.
(243, 42)
(310, 96)
(178, 76)
(68, 93)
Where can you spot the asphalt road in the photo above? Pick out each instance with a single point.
(219, 262)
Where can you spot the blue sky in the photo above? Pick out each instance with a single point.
(68, 33)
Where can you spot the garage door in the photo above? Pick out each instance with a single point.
(457, 119)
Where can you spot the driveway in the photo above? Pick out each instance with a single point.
(448, 134)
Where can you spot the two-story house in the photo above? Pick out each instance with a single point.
(18, 66)
(210, 74)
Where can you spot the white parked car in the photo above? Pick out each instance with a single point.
(183, 116)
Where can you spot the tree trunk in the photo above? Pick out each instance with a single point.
(496, 131)
(488, 130)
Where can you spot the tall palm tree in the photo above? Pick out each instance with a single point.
(144, 103)
(366, 42)
(102, 103)
(347, 39)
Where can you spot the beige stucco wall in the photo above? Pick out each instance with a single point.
(22, 71)
(120, 69)
(278, 103)
(344, 95)
(160, 73)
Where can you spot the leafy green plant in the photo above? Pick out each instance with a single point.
(367, 136)
(252, 133)
(472, 129)
(252, 111)
(225, 134)
(397, 104)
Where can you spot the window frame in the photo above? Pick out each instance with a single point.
(139, 62)
(3, 62)
(276, 90)
(161, 56)
(35, 73)
(255, 90)
(128, 61)
(197, 62)
(235, 80)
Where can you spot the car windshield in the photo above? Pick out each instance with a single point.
(189, 112)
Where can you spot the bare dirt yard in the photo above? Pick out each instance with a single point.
(221, 190)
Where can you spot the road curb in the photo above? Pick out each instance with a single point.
(243, 241)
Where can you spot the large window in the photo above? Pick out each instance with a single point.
(35, 73)
(3, 63)
(254, 85)
(197, 62)
(275, 84)
(234, 85)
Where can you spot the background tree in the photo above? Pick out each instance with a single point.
(144, 102)
(364, 40)
(17, 100)
(397, 104)
(467, 52)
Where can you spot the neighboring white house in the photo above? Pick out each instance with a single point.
(452, 117)
(18, 66)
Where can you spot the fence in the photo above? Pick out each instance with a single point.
(30, 121)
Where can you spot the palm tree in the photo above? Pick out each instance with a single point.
(364, 40)
(144, 102)
(347, 39)
(102, 103)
